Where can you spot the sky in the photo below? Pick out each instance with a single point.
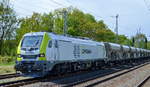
(134, 15)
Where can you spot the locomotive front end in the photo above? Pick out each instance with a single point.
(31, 60)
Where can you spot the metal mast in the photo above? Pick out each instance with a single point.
(116, 29)
(65, 22)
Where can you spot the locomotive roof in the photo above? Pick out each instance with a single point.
(82, 40)
(75, 40)
(66, 38)
(34, 33)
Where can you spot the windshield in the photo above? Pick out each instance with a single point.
(32, 41)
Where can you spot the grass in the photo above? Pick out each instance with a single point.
(6, 67)
(8, 64)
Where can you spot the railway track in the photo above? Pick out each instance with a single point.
(9, 76)
(103, 74)
(76, 83)
(33, 80)
(20, 82)
(141, 84)
(93, 81)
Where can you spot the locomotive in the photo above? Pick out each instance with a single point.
(42, 53)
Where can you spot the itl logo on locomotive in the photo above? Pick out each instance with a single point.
(86, 51)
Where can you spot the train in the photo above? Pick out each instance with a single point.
(43, 53)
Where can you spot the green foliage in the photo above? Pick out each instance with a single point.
(122, 39)
(140, 41)
(9, 47)
(7, 59)
(85, 25)
(148, 45)
(105, 35)
(79, 24)
(8, 25)
(35, 23)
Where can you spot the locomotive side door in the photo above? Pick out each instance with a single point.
(50, 50)
(56, 50)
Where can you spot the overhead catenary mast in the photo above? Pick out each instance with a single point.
(116, 29)
(65, 22)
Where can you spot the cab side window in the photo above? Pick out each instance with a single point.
(56, 44)
(50, 44)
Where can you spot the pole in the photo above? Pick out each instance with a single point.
(116, 29)
(138, 37)
(53, 29)
(65, 23)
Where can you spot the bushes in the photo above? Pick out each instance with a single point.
(6, 59)
(9, 48)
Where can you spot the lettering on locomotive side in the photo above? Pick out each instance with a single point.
(86, 51)
(76, 51)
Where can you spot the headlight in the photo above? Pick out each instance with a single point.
(42, 55)
(19, 55)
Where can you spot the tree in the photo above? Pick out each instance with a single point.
(8, 23)
(85, 25)
(35, 23)
(140, 40)
(122, 39)
(148, 45)
(79, 24)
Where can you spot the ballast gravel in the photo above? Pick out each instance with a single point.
(131, 79)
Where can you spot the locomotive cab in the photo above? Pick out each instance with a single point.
(30, 47)
(32, 53)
